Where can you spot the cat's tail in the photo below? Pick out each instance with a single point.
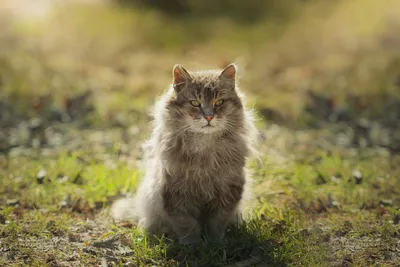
(125, 209)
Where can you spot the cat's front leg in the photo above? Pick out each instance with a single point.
(217, 224)
(186, 228)
(225, 210)
(181, 215)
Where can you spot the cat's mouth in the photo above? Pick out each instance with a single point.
(207, 126)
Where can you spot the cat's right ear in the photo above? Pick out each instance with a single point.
(181, 77)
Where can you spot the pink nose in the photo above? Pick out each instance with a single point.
(208, 118)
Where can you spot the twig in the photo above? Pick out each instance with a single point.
(106, 243)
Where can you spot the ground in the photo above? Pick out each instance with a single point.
(78, 82)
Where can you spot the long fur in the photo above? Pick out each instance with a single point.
(196, 182)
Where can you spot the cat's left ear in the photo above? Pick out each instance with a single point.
(229, 73)
(181, 77)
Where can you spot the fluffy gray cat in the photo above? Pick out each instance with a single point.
(196, 178)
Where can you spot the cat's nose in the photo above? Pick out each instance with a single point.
(208, 117)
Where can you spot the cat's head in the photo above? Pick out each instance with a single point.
(205, 101)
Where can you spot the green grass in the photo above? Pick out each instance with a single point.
(309, 207)
(297, 227)
(270, 235)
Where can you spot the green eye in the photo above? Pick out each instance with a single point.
(195, 103)
(219, 102)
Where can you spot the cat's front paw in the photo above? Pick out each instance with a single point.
(190, 239)
(215, 234)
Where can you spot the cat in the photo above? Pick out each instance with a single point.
(196, 177)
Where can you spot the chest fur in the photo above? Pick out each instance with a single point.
(206, 155)
(202, 165)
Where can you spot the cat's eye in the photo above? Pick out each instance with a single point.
(219, 102)
(195, 103)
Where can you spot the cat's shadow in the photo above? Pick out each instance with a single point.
(239, 247)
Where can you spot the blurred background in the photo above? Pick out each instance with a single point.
(78, 79)
(332, 60)
(301, 62)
